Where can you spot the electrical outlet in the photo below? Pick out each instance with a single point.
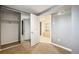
(58, 39)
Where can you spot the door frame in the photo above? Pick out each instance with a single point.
(0, 27)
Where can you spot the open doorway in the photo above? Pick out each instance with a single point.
(25, 28)
(45, 28)
(30, 28)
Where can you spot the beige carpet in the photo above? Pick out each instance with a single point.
(41, 48)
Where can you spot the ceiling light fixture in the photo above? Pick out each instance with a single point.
(61, 12)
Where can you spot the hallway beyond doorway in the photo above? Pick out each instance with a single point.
(45, 28)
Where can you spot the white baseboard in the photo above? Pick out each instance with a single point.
(62, 47)
(59, 46)
(9, 47)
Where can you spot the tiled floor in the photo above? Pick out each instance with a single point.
(40, 48)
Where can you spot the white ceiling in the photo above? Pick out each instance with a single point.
(36, 9)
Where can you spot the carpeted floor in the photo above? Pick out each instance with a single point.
(41, 48)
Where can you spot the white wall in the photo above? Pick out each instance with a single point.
(26, 18)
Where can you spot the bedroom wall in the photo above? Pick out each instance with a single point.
(62, 28)
(75, 28)
(65, 29)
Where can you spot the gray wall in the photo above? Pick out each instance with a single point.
(75, 28)
(61, 29)
(65, 29)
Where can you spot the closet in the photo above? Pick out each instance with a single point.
(9, 26)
